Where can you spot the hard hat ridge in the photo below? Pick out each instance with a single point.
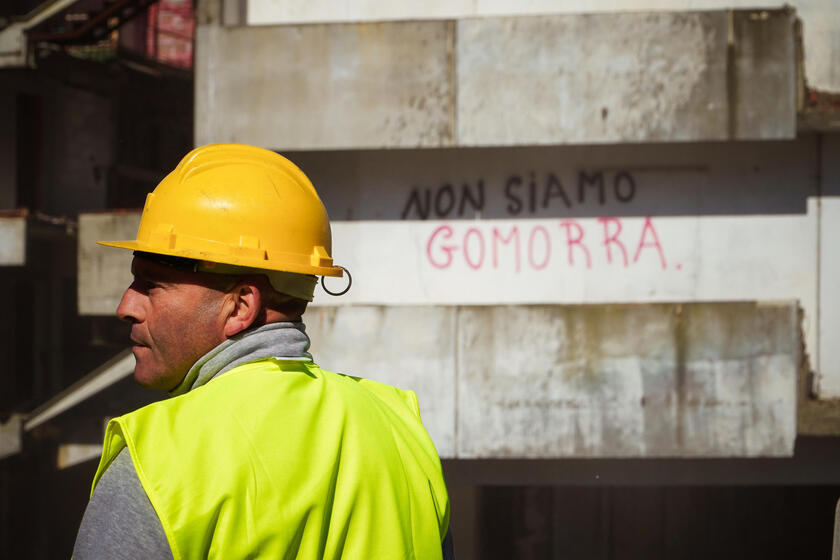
(212, 156)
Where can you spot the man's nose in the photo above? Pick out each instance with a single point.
(129, 309)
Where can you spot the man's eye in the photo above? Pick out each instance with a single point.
(145, 285)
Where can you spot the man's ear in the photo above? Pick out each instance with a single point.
(243, 305)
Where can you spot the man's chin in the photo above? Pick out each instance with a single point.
(153, 380)
(144, 381)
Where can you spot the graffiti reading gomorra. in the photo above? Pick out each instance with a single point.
(522, 193)
(537, 245)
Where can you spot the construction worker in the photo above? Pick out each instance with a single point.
(259, 453)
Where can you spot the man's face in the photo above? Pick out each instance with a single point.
(174, 321)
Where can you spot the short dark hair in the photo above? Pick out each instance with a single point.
(272, 299)
(179, 263)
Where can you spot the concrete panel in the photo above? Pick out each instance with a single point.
(652, 259)
(734, 221)
(13, 241)
(12, 46)
(325, 86)
(820, 22)
(10, 436)
(666, 76)
(828, 379)
(104, 272)
(654, 380)
(763, 95)
(71, 454)
(487, 262)
(409, 347)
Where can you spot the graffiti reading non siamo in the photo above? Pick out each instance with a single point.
(521, 195)
(574, 243)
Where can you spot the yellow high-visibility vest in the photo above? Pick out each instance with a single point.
(281, 459)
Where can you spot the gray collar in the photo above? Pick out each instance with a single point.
(285, 341)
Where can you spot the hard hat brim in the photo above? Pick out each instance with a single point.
(335, 271)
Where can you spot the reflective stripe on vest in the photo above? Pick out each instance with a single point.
(281, 459)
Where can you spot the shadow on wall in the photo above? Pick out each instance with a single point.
(567, 181)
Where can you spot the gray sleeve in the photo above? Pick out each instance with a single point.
(120, 522)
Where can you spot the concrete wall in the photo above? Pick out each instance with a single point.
(680, 222)
(829, 276)
(820, 21)
(581, 381)
(556, 79)
(732, 222)
(630, 299)
(614, 244)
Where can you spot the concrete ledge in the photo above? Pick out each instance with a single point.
(13, 240)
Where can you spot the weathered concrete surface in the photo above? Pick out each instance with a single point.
(704, 380)
(740, 220)
(10, 435)
(816, 414)
(762, 91)
(325, 86)
(819, 17)
(12, 46)
(12, 240)
(518, 80)
(488, 262)
(654, 380)
(104, 272)
(537, 80)
(701, 379)
(734, 221)
(71, 454)
(409, 347)
(828, 382)
(665, 76)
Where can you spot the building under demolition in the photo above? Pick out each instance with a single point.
(599, 246)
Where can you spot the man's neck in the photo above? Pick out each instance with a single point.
(282, 340)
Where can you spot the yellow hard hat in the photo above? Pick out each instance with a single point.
(237, 205)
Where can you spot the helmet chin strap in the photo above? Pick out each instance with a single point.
(345, 290)
(178, 263)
